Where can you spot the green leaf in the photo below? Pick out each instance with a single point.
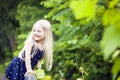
(118, 78)
(110, 41)
(47, 77)
(111, 17)
(22, 36)
(40, 74)
(83, 8)
(116, 53)
(113, 3)
(116, 66)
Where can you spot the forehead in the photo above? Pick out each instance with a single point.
(37, 27)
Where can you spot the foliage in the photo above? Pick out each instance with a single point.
(77, 40)
(30, 14)
(83, 30)
(41, 75)
(8, 25)
(83, 9)
(110, 42)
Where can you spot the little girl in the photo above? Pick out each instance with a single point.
(39, 45)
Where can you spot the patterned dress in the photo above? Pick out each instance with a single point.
(16, 69)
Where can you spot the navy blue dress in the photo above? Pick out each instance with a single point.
(16, 69)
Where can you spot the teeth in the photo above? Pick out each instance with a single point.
(36, 36)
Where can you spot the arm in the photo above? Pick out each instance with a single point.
(28, 47)
(39, 65)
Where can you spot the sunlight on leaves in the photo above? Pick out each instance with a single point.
(111, 17)
(112, 3)
(40, 74)
(116, 66)
(110, 41)
(47, 77)
(83, 8)
(116, 53)
(118, 78)
(79, 79)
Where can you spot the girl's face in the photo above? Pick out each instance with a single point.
(38, 33)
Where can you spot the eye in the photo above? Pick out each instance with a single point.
(33, 30)
(39, 31)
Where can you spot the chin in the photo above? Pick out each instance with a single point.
(36, 40)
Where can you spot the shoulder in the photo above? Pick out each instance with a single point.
(29, 41)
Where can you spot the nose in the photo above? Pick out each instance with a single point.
(35, 32)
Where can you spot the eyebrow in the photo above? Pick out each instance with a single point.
(37, 29)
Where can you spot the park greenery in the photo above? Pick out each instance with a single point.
(86, 36)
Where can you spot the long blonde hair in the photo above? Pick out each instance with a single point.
(48, 42)
(47, 45)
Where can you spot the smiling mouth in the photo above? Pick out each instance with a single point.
(36, 36)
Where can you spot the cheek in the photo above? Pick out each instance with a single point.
(32, 34)
(43, 35)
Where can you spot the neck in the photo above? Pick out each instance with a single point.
(40, 44)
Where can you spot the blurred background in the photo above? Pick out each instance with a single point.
(86, 36)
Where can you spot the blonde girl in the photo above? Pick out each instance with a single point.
(39, 45)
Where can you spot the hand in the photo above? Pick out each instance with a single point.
(30, 71)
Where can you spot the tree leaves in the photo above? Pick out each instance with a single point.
(116, 67)
(76, 43)
(111, 17)
(83, 8)
(110, 41)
